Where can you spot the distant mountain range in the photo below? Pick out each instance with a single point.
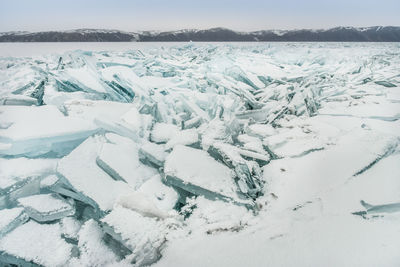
(339, 34)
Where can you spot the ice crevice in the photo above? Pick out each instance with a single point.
(177, 155)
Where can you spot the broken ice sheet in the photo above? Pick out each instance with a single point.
(47, 207)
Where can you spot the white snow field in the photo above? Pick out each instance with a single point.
(200, 154)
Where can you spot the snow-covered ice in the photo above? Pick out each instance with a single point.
(274, 154)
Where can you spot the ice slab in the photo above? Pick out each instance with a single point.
(126, 167)
(31, 242)
(22, 167)
(153, 154)
(193, 170)
(92, 109)
(40, 130)
(79, 168)
(18, 100)
(11, 219)
(47, 207)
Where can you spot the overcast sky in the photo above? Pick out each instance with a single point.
(244, 15)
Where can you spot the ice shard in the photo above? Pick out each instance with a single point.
(11, 219)
(377, 210)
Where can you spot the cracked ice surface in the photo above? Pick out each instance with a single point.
(201, 155)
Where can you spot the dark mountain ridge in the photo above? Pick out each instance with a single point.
(338, 34)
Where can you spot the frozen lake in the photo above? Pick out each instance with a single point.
(200, 154)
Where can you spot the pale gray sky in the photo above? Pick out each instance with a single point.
(245, 15)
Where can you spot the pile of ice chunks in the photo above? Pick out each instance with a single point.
(102, 153)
